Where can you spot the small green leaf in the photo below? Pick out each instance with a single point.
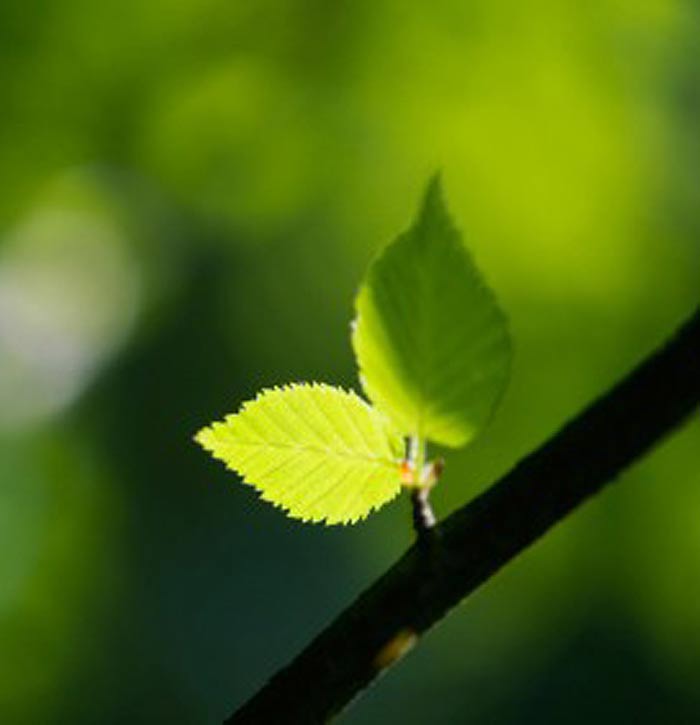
(431, 342)
(318, 452)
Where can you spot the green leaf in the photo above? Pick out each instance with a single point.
(431, 342)
(316, 451)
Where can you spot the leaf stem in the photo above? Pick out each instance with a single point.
(424, 519)
(417, 451)
(423, 515)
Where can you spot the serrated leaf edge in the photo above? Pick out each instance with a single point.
(201, 438)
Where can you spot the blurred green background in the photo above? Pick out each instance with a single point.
(190, 194)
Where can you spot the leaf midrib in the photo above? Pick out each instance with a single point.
(319, 450)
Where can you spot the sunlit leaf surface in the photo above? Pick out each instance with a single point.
(318, 452)
(431, 342)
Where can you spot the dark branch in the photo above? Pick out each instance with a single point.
(476, 541)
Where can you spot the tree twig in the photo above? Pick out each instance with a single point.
(477, 540)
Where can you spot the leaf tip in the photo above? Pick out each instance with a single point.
(434, 184)
(203, 437)
(434, 195)
(433, 209)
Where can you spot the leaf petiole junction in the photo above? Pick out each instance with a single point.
(421, 475)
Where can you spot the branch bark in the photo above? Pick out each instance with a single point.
(476, 541)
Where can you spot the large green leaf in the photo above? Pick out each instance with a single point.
(316, 451)
(431, 342)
